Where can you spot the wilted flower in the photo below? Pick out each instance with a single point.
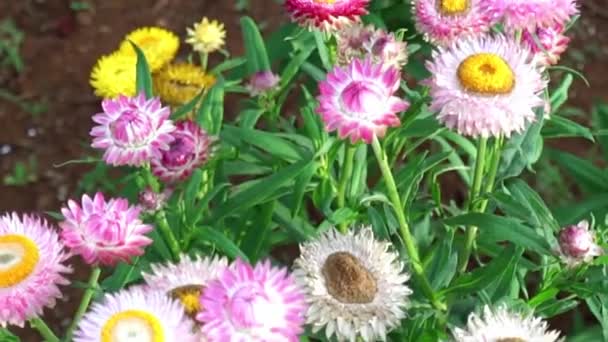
(360, 42)
(485, 87)
(547, 43)
(501, 324)
(152, 201)
(103, 231)
(326, 15)
(577, 244)
(186, 280)
(262, 82)
(179, 83)
(189, 149)
(261, 303)
(158, 45)
(32, 265)
(355, 285)
(206, 36)
(443, 21)
(136, 315)
(528, 14)
(132, 130)
(358, 100)
(114, 75)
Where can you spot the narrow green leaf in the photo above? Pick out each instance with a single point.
(291, 70)
(575, 212)
(123, 275)
(221, 241)
(266, 141)
(559, 127)
(7, 336)
(302, 182)
(560, 94)
(522, 150)
(589, 177)
(323, 51)
(255, 49)
(188, 107)
(211, 113)
(143, 78)
(443, 266)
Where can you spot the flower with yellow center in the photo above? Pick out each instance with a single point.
(114, 75)
(206, 36)
(485, 87)
(136, 315)
(158, 45)
(453, 7)
(179, 83)
(31, 268)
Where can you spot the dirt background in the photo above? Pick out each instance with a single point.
(61, 46)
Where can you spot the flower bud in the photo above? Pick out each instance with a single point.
(577, 244)
(262, 82)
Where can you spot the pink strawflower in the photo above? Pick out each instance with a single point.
(442, 21)
(359, 42)
(528, 14)
(485, 86)
(358, 100)
(136, 314)
(262, 82)
(103, 231)
(152, 201)
(132, 130)
(32, 265)
(577, 244)
(550, 45)
(261, 303)
(326, 15)
(190, 149)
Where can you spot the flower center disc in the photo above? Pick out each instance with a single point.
(132, 326)
(362, 99)
(189, 296)
(511, 339)
(19, 256)
(486, 73)
(453, 7)
(131, 128)
(348, 280)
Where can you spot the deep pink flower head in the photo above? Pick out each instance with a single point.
(577, 244)
(326, 15)
(104, 232)
(262, 82)
(528, 14)
(190, 149)
(551, 44)
(132, 130)
(358, 100)
(32, 266)
(443, 21)
(257, 304)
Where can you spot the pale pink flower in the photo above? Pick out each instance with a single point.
(189, 149)
(103, 231)
(360, 42)
(152, 201)
(528, 14)
(326, 15)
(577, 244)
(550, 45)
(132, 130)
(358, 101)
(257, 304)
(32, 265)
(262, 82)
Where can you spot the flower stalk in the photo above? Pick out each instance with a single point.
(167, 233)
(84, 302)
(347, 171)
(43, 329)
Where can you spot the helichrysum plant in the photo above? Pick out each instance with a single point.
(318, 211)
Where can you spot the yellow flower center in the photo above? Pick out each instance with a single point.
(453, 7)
(132, 326)
(328, 2)
(189, 296)
(486, 73)
(19, 256)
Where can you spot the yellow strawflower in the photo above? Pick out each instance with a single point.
(114, 75)
(158, 45)
(206, 36)
(179, 83)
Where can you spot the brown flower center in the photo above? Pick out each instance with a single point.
(348, 280)
(189, 296)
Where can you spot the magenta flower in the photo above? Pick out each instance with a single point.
(190, 149)
(358, 100)
(152, 201)
(552, 41)
(103, 231)
(32, 266)
(528, 14)
(577, 244)
(326, 15)
(261, 303)
(132, 130)
(262, 82)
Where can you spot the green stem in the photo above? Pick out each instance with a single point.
(347, 171)
(84, 302)
(404, 229)
(168, 235)
(204, 58)
(43, 329)
(471, 231)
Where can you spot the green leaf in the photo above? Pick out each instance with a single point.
(188, 107)
(589, 177)
(297, 227)
(497, 228)
(600, 116)
(323, 51)
(255, 50)
(7, 336)
(542, 216)
(443, 266)
(575, 212)
(259, 192)
(291, 70)
(143, 80)
(560, 94)
(211, 113)
(598, 305)
(228, 64)
(302, 182)
(269, 142)
(522, 150)
(559, 127)
(123, 275)
(221, 241)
